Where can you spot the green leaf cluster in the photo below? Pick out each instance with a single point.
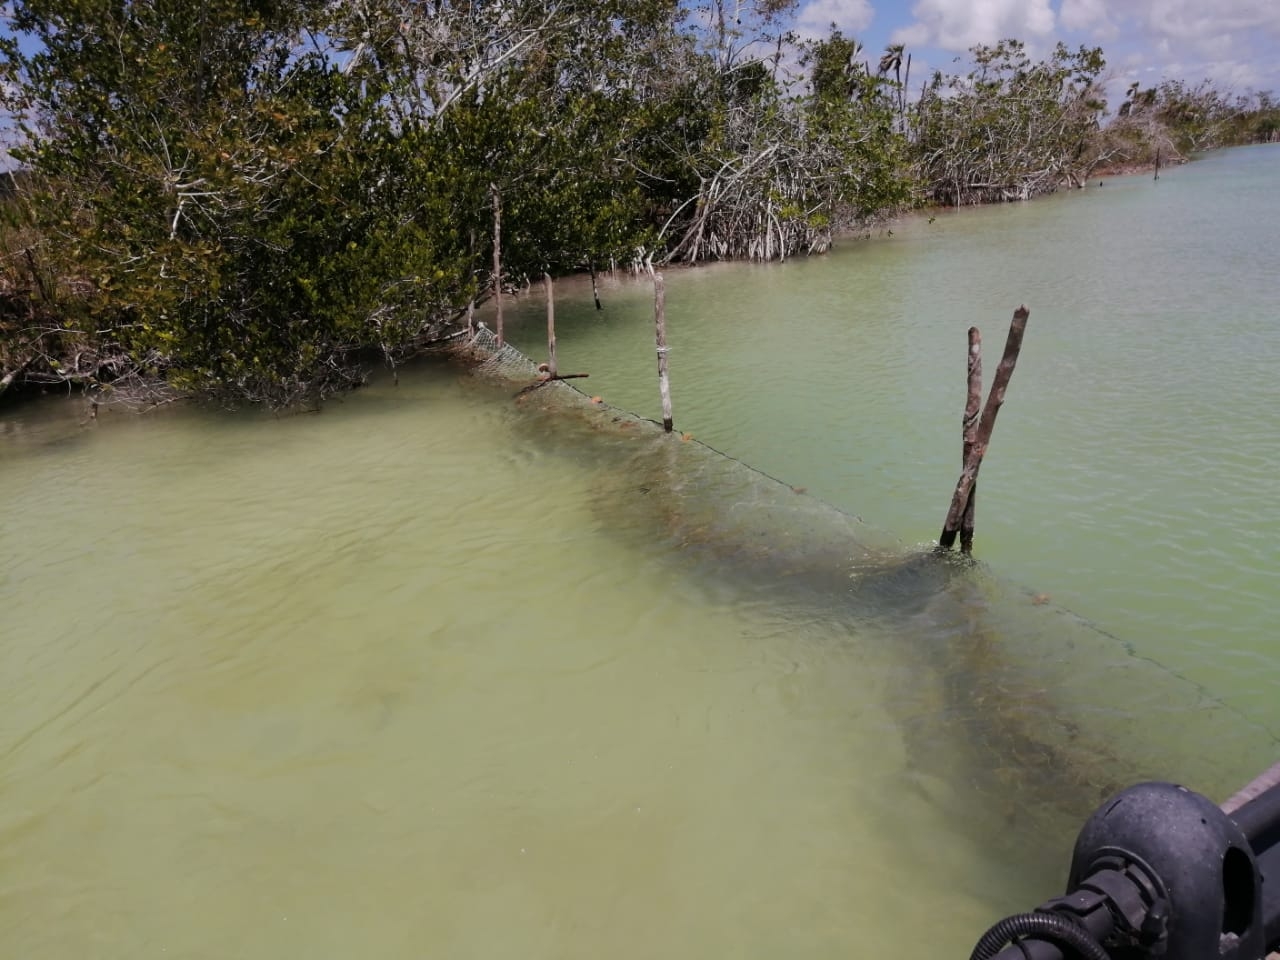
(1010, 128)
(253, 198)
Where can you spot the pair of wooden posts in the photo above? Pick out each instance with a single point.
(551, 371)
(977, 428)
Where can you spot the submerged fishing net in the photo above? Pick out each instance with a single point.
(1055, 712)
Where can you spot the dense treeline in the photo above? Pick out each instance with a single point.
(1174, 120)
(249, 201)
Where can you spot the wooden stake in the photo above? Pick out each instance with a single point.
(595, 288)
(497, 258)
(969, 433)
(986, 424)
(660, 323)
(551, 325)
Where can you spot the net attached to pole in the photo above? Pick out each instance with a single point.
(1054, 711)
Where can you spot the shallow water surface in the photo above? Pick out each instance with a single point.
(433, 673)
(1135, 468)
(389, 680)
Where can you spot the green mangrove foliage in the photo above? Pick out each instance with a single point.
(776, 175)
(1174, 120)
(226, 205)
(1010, 129)
(250, 198)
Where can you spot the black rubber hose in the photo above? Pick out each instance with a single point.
(1052, 927)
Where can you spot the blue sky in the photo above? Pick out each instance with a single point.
(1235, 43)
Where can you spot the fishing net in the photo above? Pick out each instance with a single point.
(1055, 712)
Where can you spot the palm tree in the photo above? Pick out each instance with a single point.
(892, 60)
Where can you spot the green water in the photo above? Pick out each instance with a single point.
(1134, 473)
(429, 674)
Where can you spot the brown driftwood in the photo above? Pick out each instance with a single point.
(986, 424)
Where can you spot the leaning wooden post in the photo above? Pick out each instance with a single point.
(986, 424)
(969, 433)
(551, 326)
(497, 258)
(660, 322)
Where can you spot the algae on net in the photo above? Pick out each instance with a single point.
(1036, 714)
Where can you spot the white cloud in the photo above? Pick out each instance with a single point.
(851, 16)
(1194, 21)
(1231, 42)
(1229, 76)
(960, 24)
(1091, 16)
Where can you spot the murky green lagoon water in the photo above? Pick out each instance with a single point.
(1134, 473)
(434, 674)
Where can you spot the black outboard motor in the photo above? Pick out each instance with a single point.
(1161, 871)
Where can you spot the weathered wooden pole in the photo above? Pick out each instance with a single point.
(595, 287)
(497, 258)
(660, 323)
(969, 433)
(986, 424)
(1157, 176)
(551, 326)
